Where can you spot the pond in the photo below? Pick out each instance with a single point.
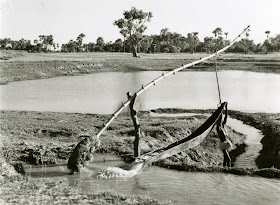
(103, 93)
(168, 185)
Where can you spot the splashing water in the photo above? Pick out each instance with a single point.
(117, 172)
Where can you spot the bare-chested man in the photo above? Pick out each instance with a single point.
(82, 154)
(225, 143)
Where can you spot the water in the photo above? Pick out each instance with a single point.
(253, 141)
(170, 185)
(103, 93)
(253, 138)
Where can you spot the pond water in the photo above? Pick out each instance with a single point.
(169, 185)
(103, 93)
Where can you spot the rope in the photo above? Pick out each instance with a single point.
(164, 75)
(217, 79)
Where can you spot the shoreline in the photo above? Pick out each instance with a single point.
(43, 66)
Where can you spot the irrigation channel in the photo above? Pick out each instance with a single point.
(178, 187)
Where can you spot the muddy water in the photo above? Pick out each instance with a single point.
(253, 138)
(253, 141)
(168, 185)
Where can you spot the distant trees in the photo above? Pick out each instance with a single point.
(218, 38)
(133, 26)
(164, 42)
(74, 46)
(44, 44)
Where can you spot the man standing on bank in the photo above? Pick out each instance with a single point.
(225, 143)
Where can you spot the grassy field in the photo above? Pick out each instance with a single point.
(27, 66)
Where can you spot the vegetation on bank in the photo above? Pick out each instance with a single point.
(29, 66)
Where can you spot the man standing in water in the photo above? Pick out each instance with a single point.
(82, 154)
(225, 143)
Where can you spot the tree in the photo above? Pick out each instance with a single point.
(226, 34)
(208, 44)
(118, 45)
(80, 41)
(133, 26)
(218, 38)
(99, 44)
(46, 41)
(195, 40)
(267, 34)
(123, 33)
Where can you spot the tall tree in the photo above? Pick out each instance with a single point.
(80, 41)
(195, 40)
(133, 25)
(99, 44)
(123, 33)
(217, 33)
(267, 34)
(226, 34)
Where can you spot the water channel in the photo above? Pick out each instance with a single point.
(178, 187)
(103, 93)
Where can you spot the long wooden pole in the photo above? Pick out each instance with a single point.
(164, 75)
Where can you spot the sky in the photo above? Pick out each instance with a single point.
(66, 19)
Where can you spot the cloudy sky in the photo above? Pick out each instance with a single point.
(66, 19)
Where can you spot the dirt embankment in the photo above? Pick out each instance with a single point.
(49, 138)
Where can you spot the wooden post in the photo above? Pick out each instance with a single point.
(136, 124)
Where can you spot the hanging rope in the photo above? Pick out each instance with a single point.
(164, 75)
(217, 79)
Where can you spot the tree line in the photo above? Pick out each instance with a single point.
(132, 27)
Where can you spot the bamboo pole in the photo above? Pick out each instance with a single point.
(164, 75)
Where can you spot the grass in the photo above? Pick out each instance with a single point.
(28, 66)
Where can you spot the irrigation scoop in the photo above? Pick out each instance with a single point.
(155, 81)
